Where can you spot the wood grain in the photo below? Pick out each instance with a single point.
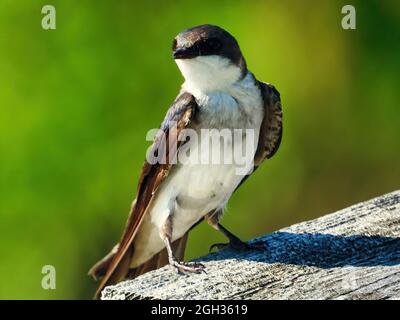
(350, 254)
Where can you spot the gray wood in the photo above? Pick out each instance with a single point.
(350, 254)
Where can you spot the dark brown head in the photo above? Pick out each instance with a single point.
(208, 56)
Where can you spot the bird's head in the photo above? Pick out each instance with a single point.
(208, 57)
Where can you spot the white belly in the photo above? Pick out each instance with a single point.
(191, 191)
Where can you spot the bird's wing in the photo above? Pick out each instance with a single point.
(271, 126)
(178, 117)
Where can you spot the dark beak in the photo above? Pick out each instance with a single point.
(184, 53)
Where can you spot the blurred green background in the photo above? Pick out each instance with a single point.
(76, 103)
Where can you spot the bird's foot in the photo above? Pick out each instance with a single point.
(183, 266)
(237, 245)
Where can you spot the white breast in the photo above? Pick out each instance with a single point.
(208, 73)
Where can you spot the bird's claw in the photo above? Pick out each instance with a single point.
(194, 267)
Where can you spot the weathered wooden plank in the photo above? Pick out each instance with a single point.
(350, 254)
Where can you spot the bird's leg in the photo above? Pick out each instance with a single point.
(234, 242)
(181, 266)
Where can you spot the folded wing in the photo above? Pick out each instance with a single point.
(178, 117)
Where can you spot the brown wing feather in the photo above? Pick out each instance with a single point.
(181, 113)
(271, 126)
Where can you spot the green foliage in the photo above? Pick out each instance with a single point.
(76, 103)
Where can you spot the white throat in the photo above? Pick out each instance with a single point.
(208, 73)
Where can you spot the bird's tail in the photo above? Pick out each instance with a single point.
(100, 268)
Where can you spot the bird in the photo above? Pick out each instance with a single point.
(219, 93)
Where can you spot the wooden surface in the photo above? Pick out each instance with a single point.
(351, 254)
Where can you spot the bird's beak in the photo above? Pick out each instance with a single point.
(184, 53)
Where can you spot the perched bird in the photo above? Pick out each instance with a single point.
(218, 93)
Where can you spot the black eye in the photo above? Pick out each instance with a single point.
(208, 47)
